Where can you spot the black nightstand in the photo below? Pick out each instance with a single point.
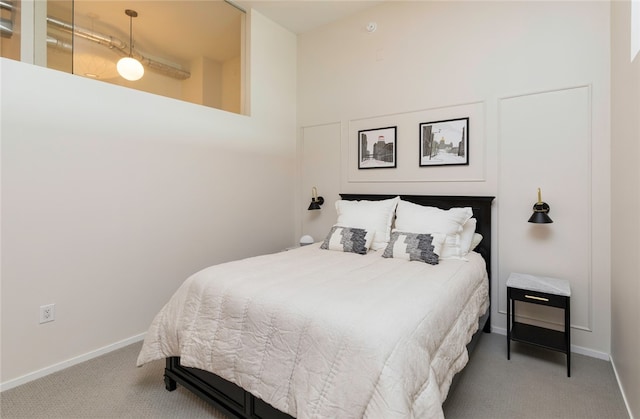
(544, 291)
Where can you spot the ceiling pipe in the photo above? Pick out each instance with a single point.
(6, 28)
(56, 43)
(98, 38)
(6, 25)
(120, 47)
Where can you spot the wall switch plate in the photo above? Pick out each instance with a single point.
(47, 313)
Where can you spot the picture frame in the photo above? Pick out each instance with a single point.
(444, 143)
(377, 148)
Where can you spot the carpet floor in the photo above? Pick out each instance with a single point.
(533, 384)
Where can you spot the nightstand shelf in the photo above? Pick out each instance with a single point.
(544, 291)
(539, 336)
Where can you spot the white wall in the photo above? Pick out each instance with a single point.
(534, 79)
(111, 197)
(625, 197)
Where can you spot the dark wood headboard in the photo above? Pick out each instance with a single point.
(481, 206)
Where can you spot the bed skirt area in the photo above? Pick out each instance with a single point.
(234, 401)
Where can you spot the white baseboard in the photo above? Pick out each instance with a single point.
(590, 352)
(574, 348)
(624, 396)
(68, 363)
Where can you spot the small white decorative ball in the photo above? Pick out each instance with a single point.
(305, 240)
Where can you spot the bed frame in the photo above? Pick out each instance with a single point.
(234, 401)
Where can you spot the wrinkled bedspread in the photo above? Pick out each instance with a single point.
(326, 334)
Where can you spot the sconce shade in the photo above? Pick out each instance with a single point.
(540, 212)
(539, 215)
(316, 201)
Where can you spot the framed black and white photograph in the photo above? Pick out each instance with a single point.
(377, 148)
(444, 143)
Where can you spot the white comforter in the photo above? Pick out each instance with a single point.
(325, 334)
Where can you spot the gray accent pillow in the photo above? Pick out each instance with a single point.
(414, 246)
(346, 239)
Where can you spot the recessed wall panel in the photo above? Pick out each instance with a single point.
(545, 142)
(320, 168)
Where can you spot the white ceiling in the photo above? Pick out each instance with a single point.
(300, 16)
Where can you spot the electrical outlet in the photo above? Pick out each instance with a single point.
(47, 313)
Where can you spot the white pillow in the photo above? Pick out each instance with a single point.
(468, 230)
(419, 219)
(375, 216)
(477, 238)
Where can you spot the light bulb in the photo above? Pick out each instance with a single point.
(130, 68)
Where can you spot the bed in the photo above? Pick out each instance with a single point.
(314, 332)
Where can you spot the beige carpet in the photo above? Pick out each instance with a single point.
(110, 386)
(532, 385)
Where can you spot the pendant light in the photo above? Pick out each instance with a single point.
(128, 67)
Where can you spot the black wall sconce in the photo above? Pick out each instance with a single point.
(316, 201)
(540, 211)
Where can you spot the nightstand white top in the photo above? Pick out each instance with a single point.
(539, 283)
